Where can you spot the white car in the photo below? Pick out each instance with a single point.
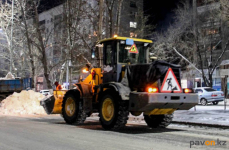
(209, 95)
(45, 92)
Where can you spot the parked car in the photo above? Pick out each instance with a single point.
(45, 92)
(209, 95)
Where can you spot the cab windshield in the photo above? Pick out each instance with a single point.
(139, 55)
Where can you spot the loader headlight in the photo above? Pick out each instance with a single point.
(115, 36)
(85, 70)
(152, 90)
(187, 90)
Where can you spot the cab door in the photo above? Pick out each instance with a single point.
(110, 61)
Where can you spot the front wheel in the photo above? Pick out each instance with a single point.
(72, 110)
(203, 102)
(113, 111)
(158, 121)
(215, 103)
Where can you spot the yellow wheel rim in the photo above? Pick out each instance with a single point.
(70, 106)
(108, 109)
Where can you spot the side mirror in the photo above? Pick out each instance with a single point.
(153, 58)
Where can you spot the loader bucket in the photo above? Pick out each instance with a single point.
(48, 104)
(53, 103)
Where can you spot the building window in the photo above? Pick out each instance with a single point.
(41, 23)
(217, 82)
(108, 55)
(55, 60)
(133, 24)
(133, 4)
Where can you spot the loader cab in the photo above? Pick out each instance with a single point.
(119, 52)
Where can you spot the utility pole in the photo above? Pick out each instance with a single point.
(11, 40)
(67, 74)
(101, 2)
(225, 92)
(194, 5)
(119, 15)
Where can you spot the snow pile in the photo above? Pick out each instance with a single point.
(24, 103)
(8, 76)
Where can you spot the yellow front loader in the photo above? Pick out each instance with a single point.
(125, 82)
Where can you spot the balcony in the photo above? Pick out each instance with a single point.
(208, 7)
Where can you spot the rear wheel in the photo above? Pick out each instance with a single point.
(72, 110)
(203, 102)
(113, 111)
(215, 103)
(158, 121)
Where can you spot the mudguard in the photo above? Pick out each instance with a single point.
(123, 90)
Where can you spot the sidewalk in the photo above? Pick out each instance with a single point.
(210, 115)
(206, 115)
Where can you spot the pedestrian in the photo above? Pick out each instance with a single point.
(58, 86)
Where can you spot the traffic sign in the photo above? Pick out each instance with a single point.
(170, 83)
(133, 49)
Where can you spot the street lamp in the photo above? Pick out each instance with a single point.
(69, 66)
(62, 67)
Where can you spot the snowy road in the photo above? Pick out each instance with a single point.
(51, 133)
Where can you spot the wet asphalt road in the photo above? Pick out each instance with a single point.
(51, 133)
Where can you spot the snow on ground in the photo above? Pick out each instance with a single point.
(211, 114)
(23, 103)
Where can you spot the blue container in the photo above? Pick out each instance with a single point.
(15, 85)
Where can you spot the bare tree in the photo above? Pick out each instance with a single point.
(110, 4)
(225, 9)
(197, 39)
(120, 2)
(12, 44)
(80, 23)
(101, 13)
(27, 38)
(25, 7)
(143, 29)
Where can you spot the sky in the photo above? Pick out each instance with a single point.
(160, 12)
(49, 4)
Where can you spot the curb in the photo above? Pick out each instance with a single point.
(201, 124)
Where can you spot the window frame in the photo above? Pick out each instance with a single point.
(113, 53)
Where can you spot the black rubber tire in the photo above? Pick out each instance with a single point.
(121, 112)
(158, 121)
(215, 103)
(79, 115)
(203, 102)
